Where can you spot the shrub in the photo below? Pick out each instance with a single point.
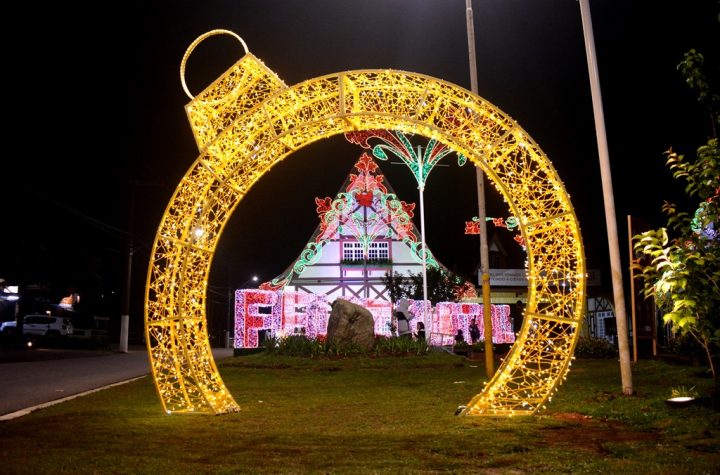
(270, 344)
(295, 345)
(344, 350)
(397, 346)
(589, 347)
(685, 345)
(479, 347)
(300, 345)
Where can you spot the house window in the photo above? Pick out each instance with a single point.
(379, 251)
(352, 251)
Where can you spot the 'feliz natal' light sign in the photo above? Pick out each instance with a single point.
(288, 313)
(248, 119)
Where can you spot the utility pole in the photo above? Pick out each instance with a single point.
(609, 200)
(127, 287)
(230, 332)
(484, 258)
(125, 312)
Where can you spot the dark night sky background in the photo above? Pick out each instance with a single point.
(95, 103)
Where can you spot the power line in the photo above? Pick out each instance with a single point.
(96, 222)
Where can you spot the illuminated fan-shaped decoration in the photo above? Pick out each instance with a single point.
(397, 143)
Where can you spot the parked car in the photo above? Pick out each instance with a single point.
(41, 325)
(8, 327)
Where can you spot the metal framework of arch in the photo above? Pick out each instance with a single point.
(248, 120)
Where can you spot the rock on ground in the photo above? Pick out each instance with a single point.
(350, 324)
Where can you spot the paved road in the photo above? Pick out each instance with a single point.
(31, 378)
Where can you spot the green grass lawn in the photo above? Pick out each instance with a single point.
(384, 415)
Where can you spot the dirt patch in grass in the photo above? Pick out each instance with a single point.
(584, 432)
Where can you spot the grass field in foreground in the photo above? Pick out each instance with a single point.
(376, 415)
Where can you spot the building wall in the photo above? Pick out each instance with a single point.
(329, 276)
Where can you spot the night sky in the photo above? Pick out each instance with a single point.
(98, 120)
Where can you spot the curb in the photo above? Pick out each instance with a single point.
(28, 410)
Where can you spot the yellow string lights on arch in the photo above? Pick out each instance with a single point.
(248, 120)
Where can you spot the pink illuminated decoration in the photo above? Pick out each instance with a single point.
(290, 313)
(254, 311)
(466, 291)
(381, 311)
(304, 313)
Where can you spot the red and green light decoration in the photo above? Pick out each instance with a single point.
(398, 144)
(365, 210)
(473, 227)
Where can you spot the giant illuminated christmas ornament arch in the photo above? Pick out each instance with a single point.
(248, 120)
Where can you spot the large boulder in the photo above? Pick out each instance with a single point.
(350, 324)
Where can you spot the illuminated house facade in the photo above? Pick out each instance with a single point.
(365, 231)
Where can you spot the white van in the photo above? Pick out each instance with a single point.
(42, 325)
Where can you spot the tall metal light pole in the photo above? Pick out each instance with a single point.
(421, 187)
(609, 200)
(484, 259)
(420, 165)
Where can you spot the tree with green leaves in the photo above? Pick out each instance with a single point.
(443, 286)
(680, 263)
(395, 284)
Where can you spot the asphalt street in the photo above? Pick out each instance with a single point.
(32, 378)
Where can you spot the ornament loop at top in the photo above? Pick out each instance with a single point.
(194, 44)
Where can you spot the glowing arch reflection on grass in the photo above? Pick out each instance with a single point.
(248, 120)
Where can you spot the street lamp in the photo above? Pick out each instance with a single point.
(421, 187)
(254, 279)
(420, 164)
